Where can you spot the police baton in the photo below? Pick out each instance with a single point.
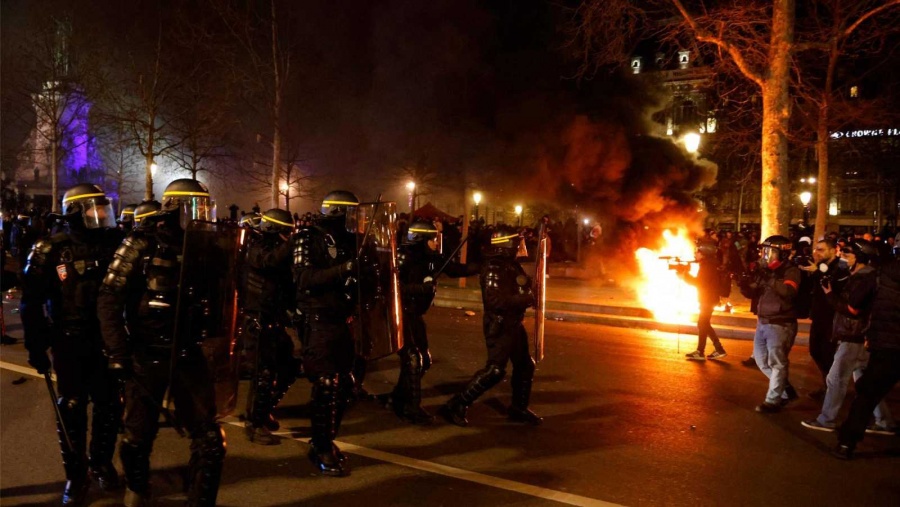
(59, 419)
(450, 258)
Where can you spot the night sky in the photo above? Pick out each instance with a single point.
(481, 92)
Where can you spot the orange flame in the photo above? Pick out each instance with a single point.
(660, 289)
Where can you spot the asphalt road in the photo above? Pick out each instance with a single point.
(627, 421)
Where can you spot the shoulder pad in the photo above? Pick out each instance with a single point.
(124, 259)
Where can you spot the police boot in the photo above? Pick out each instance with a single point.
(519, 411)
(323, 453)
(259, 410)
(74, 418)
(136, 464)
(456, 408)
(410, 409)
(207, 455)
(358, 392)
(104, 432)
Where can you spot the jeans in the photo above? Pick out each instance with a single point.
(771, 345)
(850, 359)
(882, 372)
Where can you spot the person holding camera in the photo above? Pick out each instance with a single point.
(707, 283)
(823, 268)
(883, 370)
(852, 306)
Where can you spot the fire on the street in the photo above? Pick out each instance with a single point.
(658, 286)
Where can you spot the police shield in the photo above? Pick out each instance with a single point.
(540, 295)
(379, 326)
(206, 316)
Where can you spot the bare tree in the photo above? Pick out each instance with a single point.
(834, 26)
(121, 160)
(261, 60)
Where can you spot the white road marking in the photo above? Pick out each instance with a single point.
(417, 464)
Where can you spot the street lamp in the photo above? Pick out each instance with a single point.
(519, 214)
(153, 168)
(477, 198)
(411, 187)
(692, 142)
(805, 198)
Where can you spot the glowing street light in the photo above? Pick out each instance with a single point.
(805, 198)
(477, 198)
(692, 142)
(411, 187)
(284, 186)
(519, 214)
(153, 168)
(587, 221)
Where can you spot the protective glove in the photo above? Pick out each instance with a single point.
(39, 361)
(349, 268)
(429, 285)
(121, 368)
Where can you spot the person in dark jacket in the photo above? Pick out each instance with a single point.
(63, 274)
(824, 265)
(507, 293)
(852, 307)
(268, 298)
(883, 369)
(707, 283)
(776, 285)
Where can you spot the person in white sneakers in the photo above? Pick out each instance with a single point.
(707, 283)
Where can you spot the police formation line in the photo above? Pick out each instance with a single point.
(140, 320)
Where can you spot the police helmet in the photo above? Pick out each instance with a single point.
(127, 214)
(420, 232)
(191, 199)
(277, 221)
(250, 221)
(90, 204)
(707, 247)
(505, 242)
(864, 251)
(774, 250)
(145, 209)
(338, 203)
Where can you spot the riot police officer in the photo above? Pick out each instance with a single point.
(144, 210)
(325, 265)
(506, 292)
(141, 289)
(64, 272)
(268, 299)
(126, 218)
(418, 263)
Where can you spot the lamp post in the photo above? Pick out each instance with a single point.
(286, 190)
(519, 214)
(805, 197)
(411, 187)
(477, 198)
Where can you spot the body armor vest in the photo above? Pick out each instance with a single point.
(415, 263)
(317, 248)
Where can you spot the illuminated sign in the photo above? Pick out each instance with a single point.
(866, 133)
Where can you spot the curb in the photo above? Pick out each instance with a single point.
(727, 326)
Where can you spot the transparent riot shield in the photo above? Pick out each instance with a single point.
(207, 310)
(379, 325)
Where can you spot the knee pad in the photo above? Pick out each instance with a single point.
(426, 360)
(493, 373)
(412, 360)
(210, 443)
(525, 369)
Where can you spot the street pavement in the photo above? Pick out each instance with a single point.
(627, 421)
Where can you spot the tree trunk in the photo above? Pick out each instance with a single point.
(54, 172)
(822, 181)
(740, 208)
(775, 212)
(276, 115)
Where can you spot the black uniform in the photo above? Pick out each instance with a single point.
(506, 292)
(324, 266)
(418, 265)
(64, 273)
(141, 289)
(268, 297)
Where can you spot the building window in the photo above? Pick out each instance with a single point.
(636, 64)
(684, 59)
(854, 91)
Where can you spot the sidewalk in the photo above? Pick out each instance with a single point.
(603, 302)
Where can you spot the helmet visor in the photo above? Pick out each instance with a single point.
(98, 213)
(197, 208)
(769, 255)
